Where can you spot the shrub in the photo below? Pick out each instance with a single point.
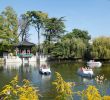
(62, 88)
(13, 91)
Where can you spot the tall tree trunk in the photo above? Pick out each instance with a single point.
(49, 44)
(22, 37)
(38, 41)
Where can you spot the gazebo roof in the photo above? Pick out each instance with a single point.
(25, 43)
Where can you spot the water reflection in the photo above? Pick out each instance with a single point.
(11, 66)
(45, 82)
(87, 81)
(45, 77)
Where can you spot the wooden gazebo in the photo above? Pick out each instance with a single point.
(23, 49)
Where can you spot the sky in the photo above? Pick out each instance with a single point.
(90, 15)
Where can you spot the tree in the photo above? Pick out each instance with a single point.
(69, 48)
(84, 37)
(10, 24)
(8, 28)
(54, 29)
(37, 20)
(24, 24)
(1, 27)
(101, 48)
(77, 33)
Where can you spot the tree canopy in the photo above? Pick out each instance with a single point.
(74, 44)
(8, 27)
(101, 48)
(54, 28)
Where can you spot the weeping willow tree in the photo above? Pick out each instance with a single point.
(69, 48)
(101, 48)
(79, 48)
(72, 45)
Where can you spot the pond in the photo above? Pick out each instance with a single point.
(68, 70)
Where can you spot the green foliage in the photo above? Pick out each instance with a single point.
(47, 47)
(69, 47)
(62, 88)
(101, 48)
(54, 28)
(8, 28)
(77, 33)
(10, 24)
(72, 45)
(24, 24)
(37, 20)
(13, 91)
(34, 49)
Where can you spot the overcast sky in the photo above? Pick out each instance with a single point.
(90, 15)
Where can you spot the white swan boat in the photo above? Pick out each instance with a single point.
(85, 72)
(93, 63)
(45, 70)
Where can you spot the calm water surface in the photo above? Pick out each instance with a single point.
(68, 70)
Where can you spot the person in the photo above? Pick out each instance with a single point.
(44, 66)
(85, 67)
(82, 68)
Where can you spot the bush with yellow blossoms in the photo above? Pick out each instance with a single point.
(13, 91)
(62, 88)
